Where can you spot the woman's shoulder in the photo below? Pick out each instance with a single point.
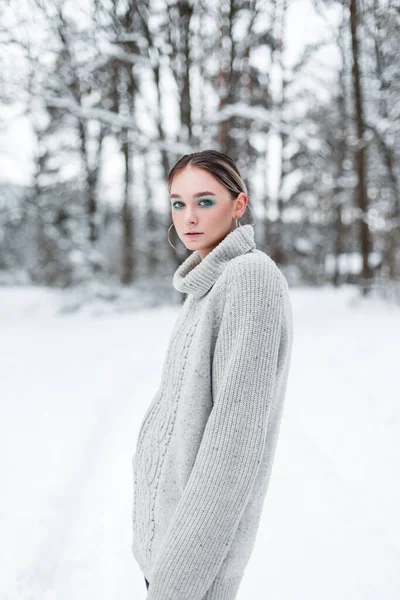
(252, 266)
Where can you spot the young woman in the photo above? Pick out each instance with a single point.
(206, 445)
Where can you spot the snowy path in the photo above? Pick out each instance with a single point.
(73, 392)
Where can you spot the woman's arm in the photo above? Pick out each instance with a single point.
(244, 373)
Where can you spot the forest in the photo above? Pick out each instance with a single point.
(113, 92)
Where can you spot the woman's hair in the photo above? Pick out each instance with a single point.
(220, 165)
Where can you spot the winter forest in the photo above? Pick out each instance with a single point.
(107, 95)
(98, 100)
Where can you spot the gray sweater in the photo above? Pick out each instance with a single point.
(207, 441)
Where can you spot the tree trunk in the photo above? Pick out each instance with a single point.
(340, 152)
(186, 12)
(387, 153)
(361, 188)
(227, 12)
(127, 216)
(91, 183)
(276, 248)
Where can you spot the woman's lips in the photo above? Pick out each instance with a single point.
(193, 234)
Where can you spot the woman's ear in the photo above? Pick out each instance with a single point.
(241, 203)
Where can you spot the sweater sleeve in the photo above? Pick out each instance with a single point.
(244, 374)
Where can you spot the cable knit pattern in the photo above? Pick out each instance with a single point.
(207, 441)
(153, 442)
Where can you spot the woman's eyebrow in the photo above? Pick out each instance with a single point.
(195, 195)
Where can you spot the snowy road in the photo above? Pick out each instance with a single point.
(74, 390)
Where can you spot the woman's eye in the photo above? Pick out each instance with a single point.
(207, 203)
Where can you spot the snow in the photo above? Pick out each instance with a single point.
(74, 390)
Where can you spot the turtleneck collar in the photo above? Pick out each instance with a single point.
(196, 276)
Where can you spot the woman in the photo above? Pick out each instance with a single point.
(206, 444)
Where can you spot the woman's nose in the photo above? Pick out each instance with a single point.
(190, 216)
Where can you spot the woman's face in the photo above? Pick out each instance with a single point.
(200, 203)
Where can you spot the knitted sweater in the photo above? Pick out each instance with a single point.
(206, 444)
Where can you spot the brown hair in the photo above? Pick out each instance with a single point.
(220, 165)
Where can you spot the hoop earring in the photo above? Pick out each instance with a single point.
(254, 222)
(169, 239)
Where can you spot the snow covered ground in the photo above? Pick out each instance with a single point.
(74, 389)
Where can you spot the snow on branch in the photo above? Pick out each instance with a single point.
(114, 53)
(117, 53)
(118, 121)
(252, 113)
(98, 114)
